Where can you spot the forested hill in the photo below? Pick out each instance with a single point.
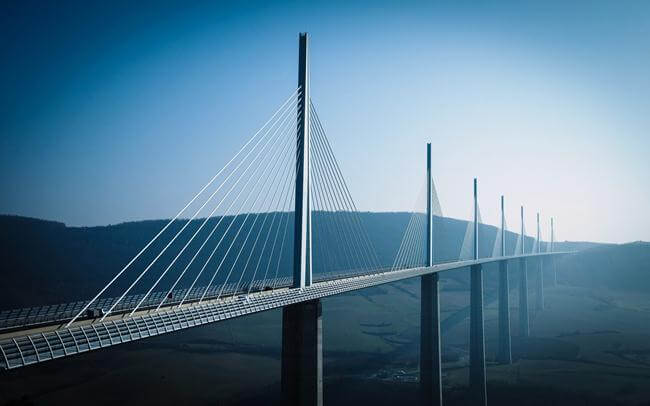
(46, 262)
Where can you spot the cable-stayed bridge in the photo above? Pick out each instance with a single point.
(277, 227)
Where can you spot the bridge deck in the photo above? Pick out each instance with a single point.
(32, 317)
(34, 344)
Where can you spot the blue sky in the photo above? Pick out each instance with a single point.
(121, 112)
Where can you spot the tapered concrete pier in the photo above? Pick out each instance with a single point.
(430, 348)
(504, 354)
(302, 327)
(539, 302)
(477, 381)
(430, 353)
(553, 271)
(302, 354)
(539, 262)
(524, 330)
(477, 378)
(552, 259)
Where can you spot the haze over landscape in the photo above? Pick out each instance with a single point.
(370, 336)
(114, 115)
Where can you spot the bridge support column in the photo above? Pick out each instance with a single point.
(476, 328)
(539, 261)
(430, 357)
(477, 380)
(553, 271)
(552, 259)
(505, 352)
(540, 284)
(302, 354)
(430, 365)
(523, 299)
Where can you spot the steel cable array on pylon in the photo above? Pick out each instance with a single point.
(344, 245)
(324, 143)
(411, 251)
(270, 144)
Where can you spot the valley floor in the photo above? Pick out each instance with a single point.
(587, 347)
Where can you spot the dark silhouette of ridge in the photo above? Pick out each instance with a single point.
(46, 262)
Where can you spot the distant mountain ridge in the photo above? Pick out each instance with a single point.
(622, 267)
(46, 262)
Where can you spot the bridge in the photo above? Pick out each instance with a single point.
(288, 163)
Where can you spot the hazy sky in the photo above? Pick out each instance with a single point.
(118, 112)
